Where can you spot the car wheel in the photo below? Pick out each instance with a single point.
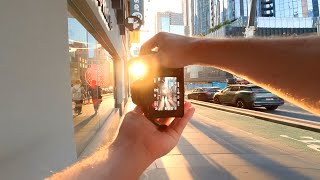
(240, 103)
(271, 108)
(216, 100)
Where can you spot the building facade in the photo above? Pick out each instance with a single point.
(222, 10)
(200, 22)
(273, 17)
(170, 22)
(200, 17)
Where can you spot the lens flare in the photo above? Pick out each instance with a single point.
(138, 69)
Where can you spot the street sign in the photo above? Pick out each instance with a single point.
(137, 9)
(133, 23)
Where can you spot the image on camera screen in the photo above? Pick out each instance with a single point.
(166, 94)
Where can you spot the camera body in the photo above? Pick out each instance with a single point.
(161, 93)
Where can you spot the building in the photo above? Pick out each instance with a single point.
(186, 9)
(205, 74)
(223, 10)
(170, 22)
(200, 17)
(103, 60)
(38, 131)
(195, 76)
(78, 54)
(273, 17)
(197, 14)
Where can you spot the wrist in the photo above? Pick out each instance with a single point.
(130, 155)
(201, 50)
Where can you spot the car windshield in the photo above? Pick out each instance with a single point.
(211, 89)
(259, 90)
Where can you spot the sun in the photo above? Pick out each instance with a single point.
(138, 69)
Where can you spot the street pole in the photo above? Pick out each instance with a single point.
(318, 26)
(251, 27)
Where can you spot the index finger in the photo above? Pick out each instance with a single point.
(147, 47)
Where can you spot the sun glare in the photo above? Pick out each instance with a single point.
(138, 69)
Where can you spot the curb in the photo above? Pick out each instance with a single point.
(289, 121)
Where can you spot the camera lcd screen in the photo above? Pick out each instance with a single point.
(166, 94)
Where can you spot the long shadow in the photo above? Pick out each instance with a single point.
(83, 123)
(273, 168)
(205, 169)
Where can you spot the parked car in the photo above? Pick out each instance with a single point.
(203, 94)
(107, 90)
(248, 96)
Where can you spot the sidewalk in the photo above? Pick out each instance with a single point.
(88, 123)
(210, 149)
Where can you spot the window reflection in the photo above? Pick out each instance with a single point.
(91, 74)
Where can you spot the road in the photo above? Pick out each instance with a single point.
(291, 110)
(223, 145)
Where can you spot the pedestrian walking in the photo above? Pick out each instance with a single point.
(77, 96)
(95, 93)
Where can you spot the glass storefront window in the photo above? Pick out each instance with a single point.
(92, 82)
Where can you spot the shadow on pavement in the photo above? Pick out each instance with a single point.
(207, 169)
(266, 165)
(84, 123)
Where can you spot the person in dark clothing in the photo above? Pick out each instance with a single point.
(95, 93)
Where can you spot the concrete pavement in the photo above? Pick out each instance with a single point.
(222, 145)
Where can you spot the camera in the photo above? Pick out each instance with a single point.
(160, 93)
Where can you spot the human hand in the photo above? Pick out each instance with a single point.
(145, 139)
(173, 51)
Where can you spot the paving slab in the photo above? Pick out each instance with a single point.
(167, 174)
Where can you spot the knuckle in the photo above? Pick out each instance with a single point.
(130, 114)
(161, 34)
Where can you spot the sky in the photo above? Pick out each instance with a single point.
(151, 8)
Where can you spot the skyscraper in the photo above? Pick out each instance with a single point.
(273, 17)
(223, 10)
(266, 8)
(170, 22)
(200, 16)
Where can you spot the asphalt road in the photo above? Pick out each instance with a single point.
(291, 110)
(268, 130)
(222, 145)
